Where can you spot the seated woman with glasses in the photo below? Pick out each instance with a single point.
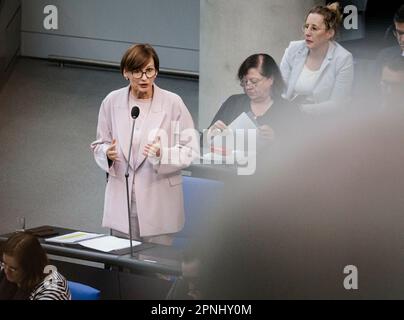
(164, 142)
(318, 71)
(262, 83)
(24, 273)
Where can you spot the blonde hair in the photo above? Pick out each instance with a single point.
(332, 15)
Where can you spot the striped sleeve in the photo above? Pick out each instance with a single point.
(53, 287)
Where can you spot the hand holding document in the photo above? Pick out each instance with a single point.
(242, 122)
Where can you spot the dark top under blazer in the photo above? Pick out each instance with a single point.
(278, 116)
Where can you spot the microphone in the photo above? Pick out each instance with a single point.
(134, 114)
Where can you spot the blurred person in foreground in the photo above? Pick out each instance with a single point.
(332, 199)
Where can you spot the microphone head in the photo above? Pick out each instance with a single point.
(135, 112)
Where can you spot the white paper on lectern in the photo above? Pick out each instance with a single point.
(243, 121)
(74, 237)
(108, 243)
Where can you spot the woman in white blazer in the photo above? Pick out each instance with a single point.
(318, 71)
(164, 142)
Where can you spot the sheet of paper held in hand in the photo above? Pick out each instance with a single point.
(108, 243)
(243, 121)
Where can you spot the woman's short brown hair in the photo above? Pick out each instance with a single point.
(137, 56)
(30, 256)
(332, 15)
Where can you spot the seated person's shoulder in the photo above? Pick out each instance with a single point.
(237, 97)
(342, 53)
(295, 46)
(53, 287)
(234, 102)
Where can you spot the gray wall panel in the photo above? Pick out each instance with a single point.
(102, 30)
(43, 45)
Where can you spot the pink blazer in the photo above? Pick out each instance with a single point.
(158, 186)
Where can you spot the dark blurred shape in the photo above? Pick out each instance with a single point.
(329, 199)
(392, 84)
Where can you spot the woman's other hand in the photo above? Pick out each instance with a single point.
(153, 149)
(112, 152)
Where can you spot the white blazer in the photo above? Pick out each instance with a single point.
(158, 186)
(334, 85)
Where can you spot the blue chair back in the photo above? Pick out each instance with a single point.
(200, 198)
(81, 291)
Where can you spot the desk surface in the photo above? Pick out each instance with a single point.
(147, 257)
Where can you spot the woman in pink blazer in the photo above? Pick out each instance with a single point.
(164, 142)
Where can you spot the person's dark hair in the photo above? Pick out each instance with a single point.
(137, 56)
(332, 15)
(30, 256)
(399, 15)
(267, 67)
(396, 64)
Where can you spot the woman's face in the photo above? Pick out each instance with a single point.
(256, 86)
(12, 270)
(315, 31)
(142, 80)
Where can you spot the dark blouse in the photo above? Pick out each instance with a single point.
(279, 116)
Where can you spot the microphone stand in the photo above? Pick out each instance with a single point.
(127, 188)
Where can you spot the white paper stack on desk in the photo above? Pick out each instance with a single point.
(100, 242)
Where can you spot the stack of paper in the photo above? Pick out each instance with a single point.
(74, 237)
(94, 241)
(108, 243)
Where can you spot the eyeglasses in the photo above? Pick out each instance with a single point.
(150, 73)
(311, 28)
(254, 82)
(6, 266)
